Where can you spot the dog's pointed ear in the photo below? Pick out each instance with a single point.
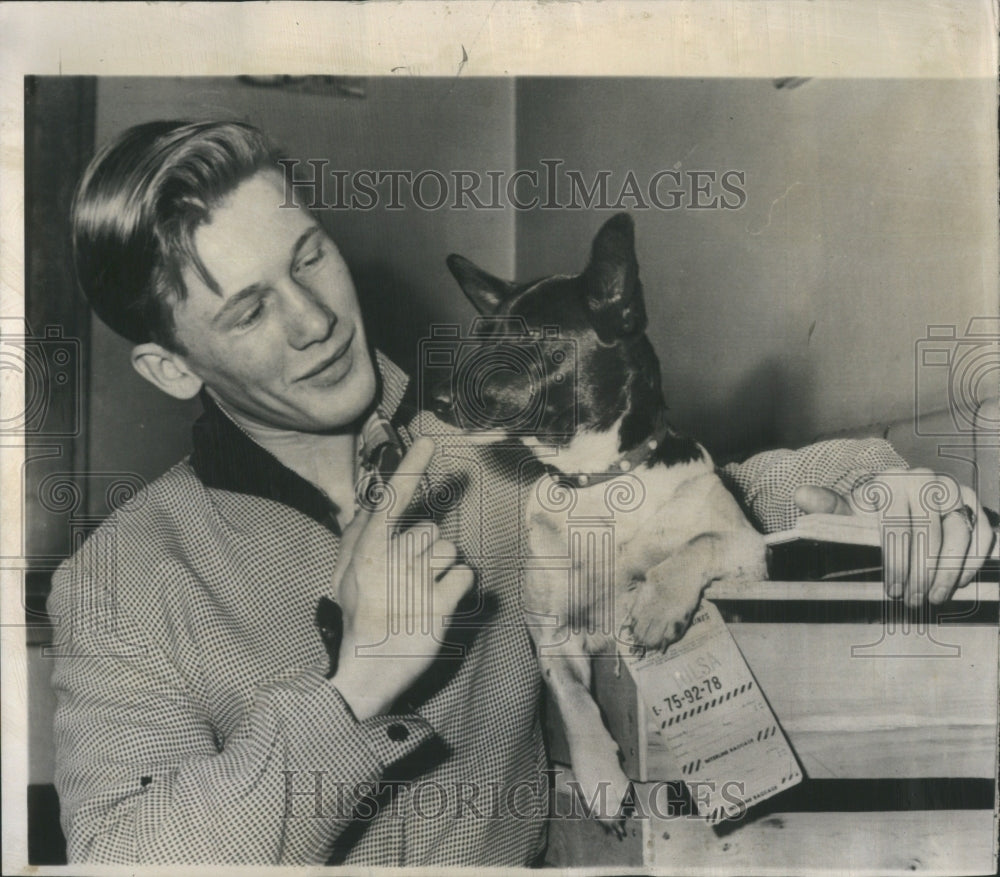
(614, 293)
(484, 290)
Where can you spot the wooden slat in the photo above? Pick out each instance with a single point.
(952, 842)
(910, 707)
(983, 592)
(779, 841)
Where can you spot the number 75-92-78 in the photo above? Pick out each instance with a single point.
(693, 694)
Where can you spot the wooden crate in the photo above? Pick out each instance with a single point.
(893, 718)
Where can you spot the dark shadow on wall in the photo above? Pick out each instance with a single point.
(58, 142)
(46, 843)
(751, 412)
(396, 312)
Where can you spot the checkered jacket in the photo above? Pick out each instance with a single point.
(195, 722)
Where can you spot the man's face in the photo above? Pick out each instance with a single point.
(283, 344)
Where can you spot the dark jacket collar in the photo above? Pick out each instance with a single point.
(226, 458)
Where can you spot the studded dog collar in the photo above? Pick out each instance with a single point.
(625, 463)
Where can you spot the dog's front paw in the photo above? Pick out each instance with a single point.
(617, 824)
(653, 625)
(616, 827)
(610, 804)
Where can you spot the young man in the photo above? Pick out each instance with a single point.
(200, 716)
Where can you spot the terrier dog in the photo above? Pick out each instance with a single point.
(598, 423)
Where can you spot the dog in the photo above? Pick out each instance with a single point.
(599, 423)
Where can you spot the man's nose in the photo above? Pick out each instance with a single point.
(309, 320)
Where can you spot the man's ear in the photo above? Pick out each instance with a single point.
(165, 369)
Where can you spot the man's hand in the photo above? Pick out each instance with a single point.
(935, 535)
(387, 598)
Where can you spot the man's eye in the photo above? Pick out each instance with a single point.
(314, 258)
(251, 316)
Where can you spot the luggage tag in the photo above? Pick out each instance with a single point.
(725, 740)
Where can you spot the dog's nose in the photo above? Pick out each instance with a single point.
(441, 400)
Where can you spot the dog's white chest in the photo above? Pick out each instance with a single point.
(642, 515)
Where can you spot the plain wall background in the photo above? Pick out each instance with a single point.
(795, 316)
(869, 216)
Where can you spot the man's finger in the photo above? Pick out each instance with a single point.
(403, 485)
(981, 541)
(426, 536)
(454, 583)
(444, 558)
(919, 573)
(448, 591)
(352, 532)
(935, 540)
(895, 561)
(348, 541)
(815, 500)
(955, 541)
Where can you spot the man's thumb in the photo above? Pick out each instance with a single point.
(815, 500)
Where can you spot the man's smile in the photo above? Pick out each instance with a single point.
(334, 366)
